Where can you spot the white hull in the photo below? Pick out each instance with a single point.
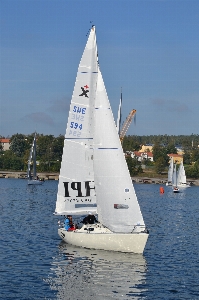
(183, 185)
(35, 182)
(98, 237)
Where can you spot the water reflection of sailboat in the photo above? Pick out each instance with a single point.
(97, 274)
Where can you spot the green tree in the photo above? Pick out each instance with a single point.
(10, 161)
(160, 152)
(171, 149)
(130, 144)
(18, 144)
(160, 165)
(187, 158)
(132, 166)
(195, 154)
(193, 171)
(57, 147)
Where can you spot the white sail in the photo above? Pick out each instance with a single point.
(118, 208)
(170, 171)
(174, 176)
(76, 194)
(181, 176)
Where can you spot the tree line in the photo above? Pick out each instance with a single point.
(162, 146)
(49, 153)
(50, 148)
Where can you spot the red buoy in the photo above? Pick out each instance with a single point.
(161, 190)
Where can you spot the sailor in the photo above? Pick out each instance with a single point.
(90, 219)
(66, 224)
(72, 225)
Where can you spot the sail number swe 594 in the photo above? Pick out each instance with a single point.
(77, 116)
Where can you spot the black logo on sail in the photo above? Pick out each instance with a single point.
(77, 186)
(84, 91)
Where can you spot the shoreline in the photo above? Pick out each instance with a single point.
(23, 175)
(55, 176)
(149, 180)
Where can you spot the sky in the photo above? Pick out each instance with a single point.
(150, 48)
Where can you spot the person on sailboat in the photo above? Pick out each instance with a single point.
(72, 225)
(90, 219)
(66, 224)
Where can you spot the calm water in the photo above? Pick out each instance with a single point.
(35, 264)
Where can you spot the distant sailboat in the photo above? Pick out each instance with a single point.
(33, 178)
(170, 173)
(94, 176)
(181, 177)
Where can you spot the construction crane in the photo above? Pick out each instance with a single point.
(126, 124)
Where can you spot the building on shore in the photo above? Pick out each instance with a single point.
(5, 143)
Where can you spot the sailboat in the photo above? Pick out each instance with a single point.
(170, 173)
(33, 179)
(181, 177)
(94, 176)
(175, 187)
